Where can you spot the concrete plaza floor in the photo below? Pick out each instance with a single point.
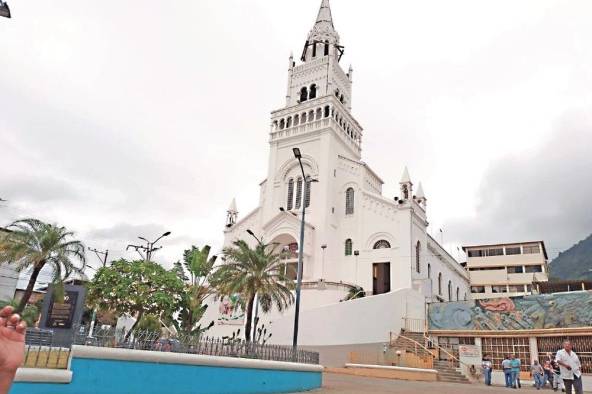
(347, 384)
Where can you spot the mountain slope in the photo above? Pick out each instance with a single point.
(574, 263)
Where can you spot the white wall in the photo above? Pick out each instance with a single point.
(8, 281)
(365, 320)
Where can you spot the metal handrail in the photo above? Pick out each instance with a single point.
(416, 344)
(452, 356)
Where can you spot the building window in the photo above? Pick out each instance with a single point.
(417, 257)
(499, 289)
(303, 94)
(429, 271)
(534, 268)
(349, 201)
(495, 252)
(465, 297)
(326, 48)
(457, 294)
(307, 192)
(477, 289)
(513, 250)
(498, 348)
(440, 283)
(327, 111)
(449, 290)
(313, 91)
(477, 253)
(382, 244)
(298, 193)
(348, 247)
(290, 194)
(516, 289)
(531, 249)
(515, 270)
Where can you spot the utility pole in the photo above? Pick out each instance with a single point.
(102, 256)
(149, 248)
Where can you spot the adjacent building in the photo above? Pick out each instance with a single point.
(506, 270)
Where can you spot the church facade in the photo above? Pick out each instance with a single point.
(355, 237)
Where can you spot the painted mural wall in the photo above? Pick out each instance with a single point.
(522, 313)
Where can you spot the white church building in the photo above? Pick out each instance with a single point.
(354, 235)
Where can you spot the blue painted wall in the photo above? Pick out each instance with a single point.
(91, 376)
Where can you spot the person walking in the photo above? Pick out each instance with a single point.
(557, 382)
(515, 364)
(570, 368)
(507, 367)
(487, 368)
(538, 374)
(548, 369)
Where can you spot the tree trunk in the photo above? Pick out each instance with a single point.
(30, 287)
(140, 314)
(249, 317)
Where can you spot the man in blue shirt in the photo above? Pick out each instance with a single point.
(515, 363)
(507, 367)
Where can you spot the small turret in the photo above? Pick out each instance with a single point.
(420, 196)
(231, 214)
(406, 185)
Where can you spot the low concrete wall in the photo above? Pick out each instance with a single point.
(381, 371)
(122, 371)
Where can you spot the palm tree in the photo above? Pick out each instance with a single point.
(250, 272)
(33, 244)
(200, 265)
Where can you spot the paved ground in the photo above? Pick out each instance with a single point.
(347, 384)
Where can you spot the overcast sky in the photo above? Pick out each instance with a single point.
(120, 119)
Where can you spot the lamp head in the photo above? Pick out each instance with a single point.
(297, 153)
(250, 232)
(166, 234)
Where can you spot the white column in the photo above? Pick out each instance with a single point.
(534, 350)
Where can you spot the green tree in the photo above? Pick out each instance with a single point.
(138, 288)
(33, 244)
(199, 265)
(254, 271)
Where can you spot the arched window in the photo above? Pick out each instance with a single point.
(417, 257)
(289, 122)
(290, 202)
(429, 271)
(307, 192)
(382, 244)
(326, 48)
(440, 283)
(341, 99)
(314, 49)
(319, 113)
(457, 294)
(327, 111)
(303, 94)
(310, 115)
(303, 117)
(349, 201)
(313, 91)
(282, 124)
(298, 192)
(337, 93)
(449, 290)
(465, 298)
(348, 247)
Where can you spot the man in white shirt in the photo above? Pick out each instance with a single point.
(570, 368)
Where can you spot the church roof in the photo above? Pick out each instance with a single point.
(325, 14)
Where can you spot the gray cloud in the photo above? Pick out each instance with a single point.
(542, 194)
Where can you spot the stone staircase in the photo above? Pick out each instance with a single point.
(447, 373)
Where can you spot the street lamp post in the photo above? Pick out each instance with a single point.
(149, 248)
(298, 156)
(103, 260)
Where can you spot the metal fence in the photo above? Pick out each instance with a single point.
(193, 344)
(41, 352)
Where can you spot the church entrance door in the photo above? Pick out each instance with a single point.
(381, 278)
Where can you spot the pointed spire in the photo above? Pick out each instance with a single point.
(324, 15)
(405, 178)
(323, 29)
(420, 193)
(232, 207)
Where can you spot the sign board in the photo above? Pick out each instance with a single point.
(469, 351)
(63, 317)
(61, 314)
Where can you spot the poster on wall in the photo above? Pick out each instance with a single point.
(231, 311)
(469, 351)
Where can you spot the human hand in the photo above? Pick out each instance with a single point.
(12, 340)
